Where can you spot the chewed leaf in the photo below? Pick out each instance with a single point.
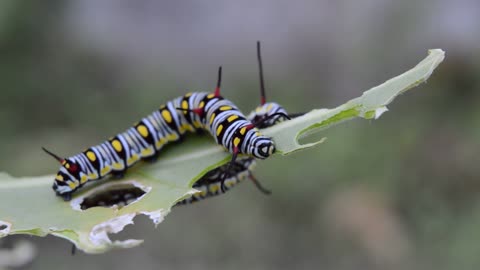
(28, 205)
(371, 105)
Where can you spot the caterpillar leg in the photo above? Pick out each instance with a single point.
(258, 185)
(66, 196)
(152, 159)
(229, 168)
(119, 174)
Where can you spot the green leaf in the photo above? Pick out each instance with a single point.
(28, 205)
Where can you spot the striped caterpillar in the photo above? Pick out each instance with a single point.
(189, 113)
(225, 177)
(210, 184)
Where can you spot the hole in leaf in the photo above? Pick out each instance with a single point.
(119, 195)
(4, 228)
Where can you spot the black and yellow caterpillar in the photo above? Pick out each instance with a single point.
(206, 111)
(210, 184)
(223, 178)
(188, 113)
(231, 174)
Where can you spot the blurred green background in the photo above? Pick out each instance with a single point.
(397, 193)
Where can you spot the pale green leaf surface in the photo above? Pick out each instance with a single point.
(28, 205)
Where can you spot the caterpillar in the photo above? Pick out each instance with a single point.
(223, 178)
(210, 184)
(188, 113)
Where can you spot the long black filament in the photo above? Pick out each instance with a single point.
(263, 97)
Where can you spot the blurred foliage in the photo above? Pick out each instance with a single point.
(60, 94)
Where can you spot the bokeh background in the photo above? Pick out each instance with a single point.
(401, 192)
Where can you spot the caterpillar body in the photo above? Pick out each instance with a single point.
(210, 184)
(211, 112)
(188, 113)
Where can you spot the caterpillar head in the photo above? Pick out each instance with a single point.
(66, 181)
(263, 147)
(268, 114)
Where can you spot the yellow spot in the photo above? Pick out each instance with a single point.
(229, 183)
(105, 170)
(83, 179)
(236, 141)
(188, 94)
(210, 96)
(172, 137)
(197, 124)
(133, 159)
(93, 176)
(190, 127)
(67, 166)
(143, 131)
(72, 185)
(59, 177)
(202, 193)
(258, 109)
(225, 108)
(258, 133)
(64, 162)
(219, 130)
(91, 156)
(117, 145)
(167, 116)
(160, 143)
(202, 104)
(231, 118)
(117, 166)
(269, 107)
(185, 106)
(213, 188)
(147, 152)
(243, 130)
(183, 128)
(212, 118)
